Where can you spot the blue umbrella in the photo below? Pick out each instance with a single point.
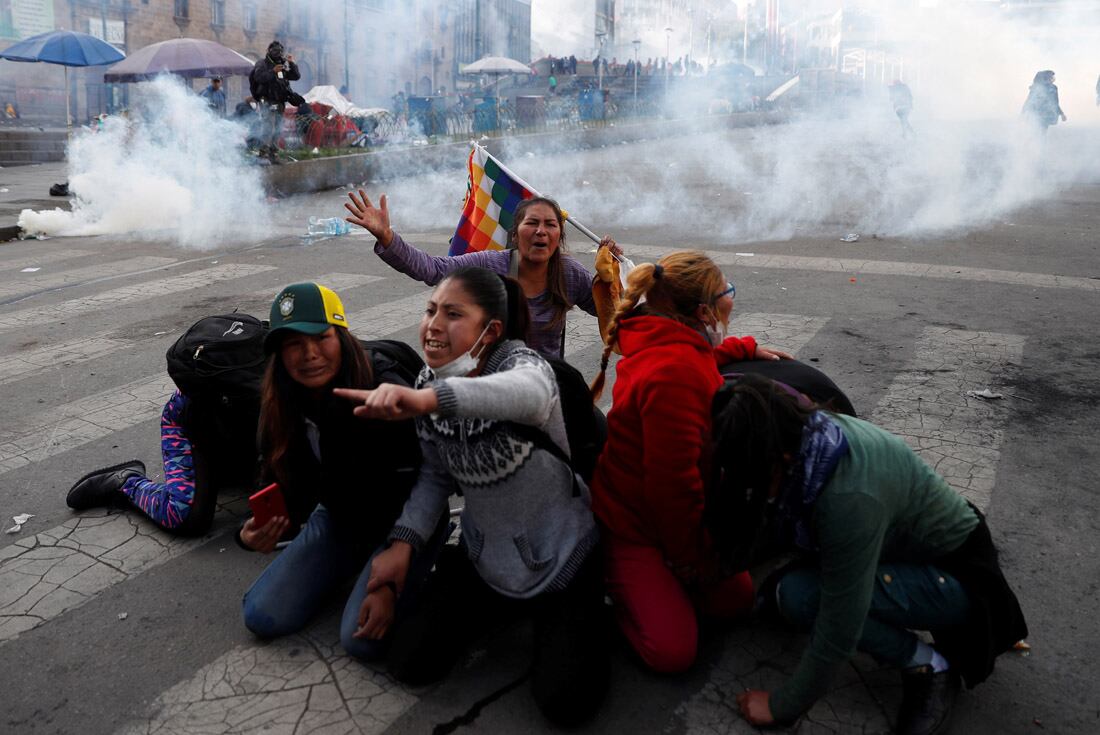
(67, 48)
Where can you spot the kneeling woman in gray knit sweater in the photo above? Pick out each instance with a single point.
(528, 534)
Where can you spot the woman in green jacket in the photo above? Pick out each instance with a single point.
(886, 547)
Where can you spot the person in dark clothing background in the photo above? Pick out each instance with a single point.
(901, 97)
(269, 83)
(1041, 107)
(215, 96)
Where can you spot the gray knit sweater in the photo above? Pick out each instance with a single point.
(522, 526)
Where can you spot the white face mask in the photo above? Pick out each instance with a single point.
(716, 335)
(464, 364)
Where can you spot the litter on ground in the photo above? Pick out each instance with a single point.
(984, 393)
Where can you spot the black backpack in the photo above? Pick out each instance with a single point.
(254, 86)
(219, 355)
(801, 377)
(218, 364)
(584, 426)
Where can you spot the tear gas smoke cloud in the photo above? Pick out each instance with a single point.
(972, 161)
(171, 171)
(837, 170)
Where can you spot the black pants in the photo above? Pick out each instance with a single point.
(570, 666)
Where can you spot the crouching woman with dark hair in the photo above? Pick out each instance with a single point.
(315, 448)
(888, 547)
(486, 408)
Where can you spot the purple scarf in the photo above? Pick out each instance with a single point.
(823, 446)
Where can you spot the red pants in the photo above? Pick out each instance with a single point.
(656, 613)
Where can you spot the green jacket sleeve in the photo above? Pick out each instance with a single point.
(850, 531)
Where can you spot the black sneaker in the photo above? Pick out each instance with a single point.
(926, 701)
(101, 488)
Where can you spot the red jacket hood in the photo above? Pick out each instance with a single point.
(638, 333)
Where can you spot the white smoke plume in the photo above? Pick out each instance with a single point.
(973, 160)
(171, 171)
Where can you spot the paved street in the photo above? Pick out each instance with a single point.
(109, 625)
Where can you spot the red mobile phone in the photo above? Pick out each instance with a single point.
(267, 504)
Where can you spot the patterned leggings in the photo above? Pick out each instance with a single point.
(184, 503)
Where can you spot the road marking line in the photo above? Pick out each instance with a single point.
(298, 683)
(35, 282)
(855, 266)
(85, 420)
(40, 258)
(128, 295)
(336, 281)
(56, 570)
(77, 423)
(380, 320)
(927, 405)
(24, 364)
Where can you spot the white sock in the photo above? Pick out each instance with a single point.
(926, 655)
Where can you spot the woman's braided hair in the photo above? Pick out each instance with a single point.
(673, 287)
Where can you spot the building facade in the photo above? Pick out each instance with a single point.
(375, 48)
(247, 26)
(674, 28)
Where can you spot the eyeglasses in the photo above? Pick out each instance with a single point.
(730, 289)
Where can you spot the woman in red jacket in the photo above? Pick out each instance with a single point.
(648, 488)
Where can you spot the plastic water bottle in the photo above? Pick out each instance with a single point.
(328, 226)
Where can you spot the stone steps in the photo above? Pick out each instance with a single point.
(19, 147)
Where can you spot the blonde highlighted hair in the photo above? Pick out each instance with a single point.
(673, 287)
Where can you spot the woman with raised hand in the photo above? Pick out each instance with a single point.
(358, 473)
(552, 280)
(489, 416)
(887, 547)
(649, 484)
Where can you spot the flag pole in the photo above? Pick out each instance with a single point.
(571, 220)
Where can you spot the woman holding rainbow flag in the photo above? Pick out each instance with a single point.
(508, 228)
(552, 280)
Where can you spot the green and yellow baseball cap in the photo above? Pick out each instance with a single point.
(309, 308)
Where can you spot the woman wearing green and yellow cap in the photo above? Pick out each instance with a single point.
(359, 472)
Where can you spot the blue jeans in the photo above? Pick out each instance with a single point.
(906, 597)
(322, 558)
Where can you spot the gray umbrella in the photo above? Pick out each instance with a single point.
(185, 57)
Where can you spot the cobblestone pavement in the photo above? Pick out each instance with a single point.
(109, 625)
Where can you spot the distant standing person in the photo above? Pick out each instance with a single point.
(901, 97)
(1041, 106)
(215, 96)
(269, 83)
(553, 84)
